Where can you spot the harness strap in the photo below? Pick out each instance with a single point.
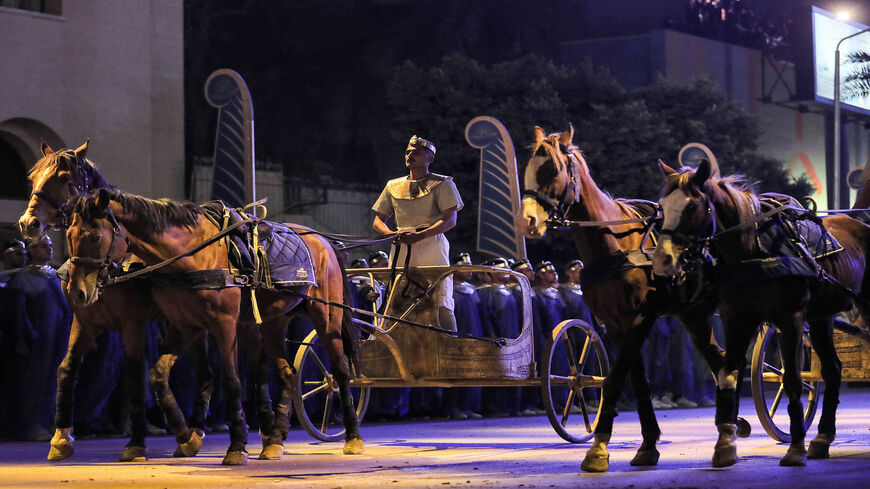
(454, 334)
(170, 261)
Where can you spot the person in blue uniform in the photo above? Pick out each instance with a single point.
(40, 320)
(464, 402)
(501, 319)
(572, 294)
(548, 310)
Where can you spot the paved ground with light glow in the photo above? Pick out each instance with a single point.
(491, 453)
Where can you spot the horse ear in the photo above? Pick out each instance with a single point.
(82, 150)
(46, 149)
(666, 170)
(566, 137)
(103, 199)
(714, 167)
(705, 170)
(540, 135)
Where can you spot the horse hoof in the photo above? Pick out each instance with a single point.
(796, 456)
(235, 458)
(60, 452)
(725, 456)
(61, 445)
(132, 454)
(820, 445)
(191, 446)
(596, 460)
(354, 447)
(743, 428)
(272, 452)
(596, 463)
(644, 458)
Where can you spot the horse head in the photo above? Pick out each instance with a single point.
(96, 243)
(550, 181)
(687, 213)
(57, 178)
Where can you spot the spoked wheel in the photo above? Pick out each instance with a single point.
(572, 380)
(768, 390)
(317, 400)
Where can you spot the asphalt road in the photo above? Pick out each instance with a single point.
(490, 453)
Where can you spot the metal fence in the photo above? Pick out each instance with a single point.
(324, 205)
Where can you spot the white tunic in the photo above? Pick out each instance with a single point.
(418, 204)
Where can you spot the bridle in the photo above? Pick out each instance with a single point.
(699, 243)
(557, 208)
(107, 266)
(81, 187)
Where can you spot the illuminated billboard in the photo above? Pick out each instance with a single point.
(827, 32)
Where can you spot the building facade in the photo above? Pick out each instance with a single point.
(103, 70)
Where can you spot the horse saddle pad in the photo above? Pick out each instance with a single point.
(791, 243)
(786, 232)
(283, 259)
(287, 259)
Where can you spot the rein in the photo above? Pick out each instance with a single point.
(130, 276)
(454, 334)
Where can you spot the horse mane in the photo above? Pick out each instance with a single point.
(65, 160)
(735, 189)
(154, 215)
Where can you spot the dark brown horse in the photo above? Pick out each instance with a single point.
(624, 297)
(158, 230)
(58, 178)
(702, 209)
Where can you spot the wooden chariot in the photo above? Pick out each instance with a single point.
(404, 348)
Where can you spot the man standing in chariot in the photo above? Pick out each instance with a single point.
(424, 206)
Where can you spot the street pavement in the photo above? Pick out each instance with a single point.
(488, 453)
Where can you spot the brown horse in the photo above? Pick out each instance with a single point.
(158, 230)
(703, 209)
(58, 178)
(624, 297)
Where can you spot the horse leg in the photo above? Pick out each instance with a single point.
(353, 442)
(702, 338)
(225, 337)
(328, 322)
(205, 379)
(737, 336)
(647, 454)
(81, 339)
(822, 337)
(189, 440)
(597, 458)
(274, 425)
(252, 341)
(796, 455)
(133, 338)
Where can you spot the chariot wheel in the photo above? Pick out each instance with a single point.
(572, 380)
(317, 400)
(768, 390)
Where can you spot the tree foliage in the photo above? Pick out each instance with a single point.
(857, 82)
(621, 133)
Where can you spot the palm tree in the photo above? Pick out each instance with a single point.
(857, 83)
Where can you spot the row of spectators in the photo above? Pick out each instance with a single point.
(733, 22)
